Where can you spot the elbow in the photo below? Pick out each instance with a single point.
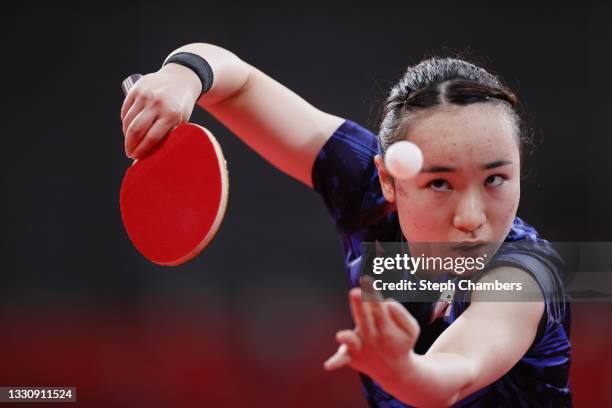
(439, 401)
(432, 397)
(436, 399)
(454, 389)
(470, 379)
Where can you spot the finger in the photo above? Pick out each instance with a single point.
(133, 111)
(367, 286)
(403, 318)
(138, 129)
(368, 318)
(362, 320)
(374, 301)
(380, 317)
(350, 338)
(339, 359)
(156, 133)
(127, 103)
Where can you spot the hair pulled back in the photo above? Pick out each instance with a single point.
(443, 81)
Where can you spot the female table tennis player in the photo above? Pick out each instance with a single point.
(464, 121)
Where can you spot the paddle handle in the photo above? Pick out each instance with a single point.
(129, 82)
(126, 85)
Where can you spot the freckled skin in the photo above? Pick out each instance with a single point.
(474, 204)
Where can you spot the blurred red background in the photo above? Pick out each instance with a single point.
(120, 359)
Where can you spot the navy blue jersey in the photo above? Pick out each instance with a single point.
(346, 177)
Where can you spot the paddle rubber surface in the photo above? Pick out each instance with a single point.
(173, 200)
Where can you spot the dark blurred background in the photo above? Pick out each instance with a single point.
(251, 320)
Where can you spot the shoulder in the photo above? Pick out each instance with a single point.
(345, 175)
(348, 152)
(509, 290)
(526, 255)
(510, 275)
(525, 249)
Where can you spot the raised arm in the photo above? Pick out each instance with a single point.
(270, 118)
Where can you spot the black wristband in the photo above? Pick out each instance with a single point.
(197, 64)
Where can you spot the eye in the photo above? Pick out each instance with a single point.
(496, 180)
(440, 185)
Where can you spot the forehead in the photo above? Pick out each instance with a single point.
(461, 135)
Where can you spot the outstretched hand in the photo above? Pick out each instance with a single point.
(383, 340)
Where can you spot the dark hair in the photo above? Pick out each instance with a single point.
(439, 81)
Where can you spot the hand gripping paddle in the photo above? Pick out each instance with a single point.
(174, 198)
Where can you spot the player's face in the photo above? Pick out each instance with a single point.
(469, 187)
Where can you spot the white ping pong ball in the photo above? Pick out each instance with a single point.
(403, 160)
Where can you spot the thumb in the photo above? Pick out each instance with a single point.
(339, 359)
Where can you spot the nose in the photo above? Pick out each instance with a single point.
(469, 214)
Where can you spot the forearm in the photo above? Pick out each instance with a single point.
(230, 72)
(431, 380)
(269, 117)
(273, 120)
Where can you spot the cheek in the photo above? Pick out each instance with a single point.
(420, 218)
(505, 209)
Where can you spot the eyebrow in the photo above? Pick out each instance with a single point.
(444, 169)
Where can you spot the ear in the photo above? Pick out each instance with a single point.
(385, 179)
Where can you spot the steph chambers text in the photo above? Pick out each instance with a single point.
(407, 285)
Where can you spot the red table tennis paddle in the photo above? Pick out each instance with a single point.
(174, 198)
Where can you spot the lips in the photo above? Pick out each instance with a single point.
(469, 245)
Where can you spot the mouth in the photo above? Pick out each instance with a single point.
(469, 246)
